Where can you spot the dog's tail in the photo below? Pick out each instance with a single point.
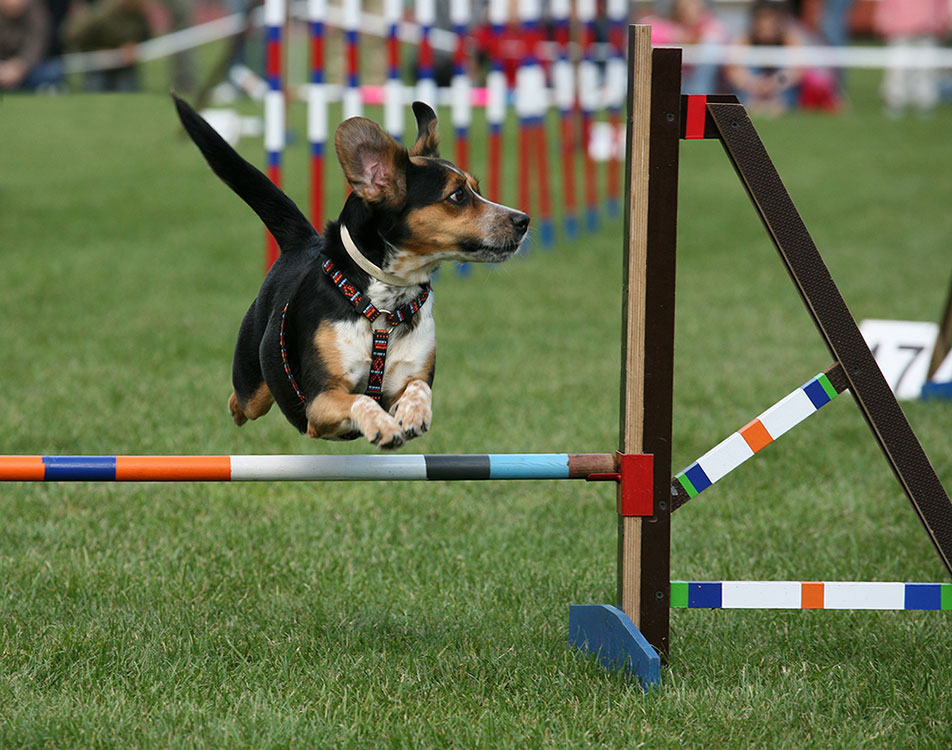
(280, 215)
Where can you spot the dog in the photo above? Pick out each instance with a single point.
(341, 335)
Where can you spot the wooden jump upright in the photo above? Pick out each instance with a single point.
(634, 634)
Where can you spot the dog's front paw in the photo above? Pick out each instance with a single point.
(378, 427)
(414, 410)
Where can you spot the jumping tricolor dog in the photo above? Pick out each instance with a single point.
(341, 334)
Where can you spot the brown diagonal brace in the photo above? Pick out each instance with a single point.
(836, 324)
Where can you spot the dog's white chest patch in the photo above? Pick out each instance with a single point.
(408, 351)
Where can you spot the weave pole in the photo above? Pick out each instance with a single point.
(317, 119)
(616, 76)
(496, 92)
(442, 467)
(426, 82)
(588, 99)
(393, 98)
(563, 89)
(275, 12)
(353, 103)
(461, 87)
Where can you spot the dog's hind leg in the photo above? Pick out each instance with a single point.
(244, 407)
(252, 397)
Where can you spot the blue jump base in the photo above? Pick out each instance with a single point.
(609, 633)
(937, 390)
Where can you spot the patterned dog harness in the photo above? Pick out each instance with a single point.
(381, 336)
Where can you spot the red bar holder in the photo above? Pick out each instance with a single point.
(636, 476)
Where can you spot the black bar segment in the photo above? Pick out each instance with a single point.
(457, 467)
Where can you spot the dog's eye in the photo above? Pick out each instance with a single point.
(457, 196)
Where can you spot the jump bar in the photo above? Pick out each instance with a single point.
(810, 595)
(446, 467)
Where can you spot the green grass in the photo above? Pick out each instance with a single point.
(410, 615)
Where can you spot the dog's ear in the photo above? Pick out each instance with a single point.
(374, 164)
(428, 138)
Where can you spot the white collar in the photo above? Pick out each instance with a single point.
(371, 268)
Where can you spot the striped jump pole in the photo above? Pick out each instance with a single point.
(426, 82)
(563, 89)
(531, 106)
(780, 418)
(393, 101)
(810, 595)
(616, 84)
(496, 92)
(589, 99)
(353, 103)
(274, 107)
(317, 119)
(310, 468)
(461, 87)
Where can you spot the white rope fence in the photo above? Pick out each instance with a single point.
(812, 56)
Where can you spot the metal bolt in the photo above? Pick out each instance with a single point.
(670, 117)
(659, 595)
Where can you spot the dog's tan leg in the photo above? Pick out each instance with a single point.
(338, 412)
(413, 409)
(257, 405)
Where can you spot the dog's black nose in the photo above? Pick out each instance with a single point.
(520, 221)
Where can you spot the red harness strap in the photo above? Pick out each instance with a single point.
(381, 336)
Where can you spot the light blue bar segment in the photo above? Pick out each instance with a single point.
(529, 466)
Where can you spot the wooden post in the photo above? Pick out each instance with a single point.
(654, 118)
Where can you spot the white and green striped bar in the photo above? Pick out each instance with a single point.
(727, 455)
(810, 595)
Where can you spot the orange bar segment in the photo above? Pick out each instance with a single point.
(756, 435)
(22, 469)
(811, 595)
(173, 468)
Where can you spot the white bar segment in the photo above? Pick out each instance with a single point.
(317, 10)
(724, 457)
(274, 13)
(563, 84)
(327, 468)
(426, 12)
(498, 12)
(589, 93)
(496, 96)
(760, 595)
(393, 104)
(866, 595)
(317, 113)
(353, 103)
(585, 9)
(460, 14)
(274, 121)
(461, 98)
(790, 411)
(351, 14)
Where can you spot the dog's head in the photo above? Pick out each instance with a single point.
(427, 208)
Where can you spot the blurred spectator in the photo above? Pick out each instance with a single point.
(183, 63)
(911, 26)
(110, 25)
(764, 89)
(692, 22)
(24, 30)
(834, 25)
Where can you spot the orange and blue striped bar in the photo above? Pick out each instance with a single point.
(444, 467)
(810, 595)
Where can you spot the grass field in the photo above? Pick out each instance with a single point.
(409, 615)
